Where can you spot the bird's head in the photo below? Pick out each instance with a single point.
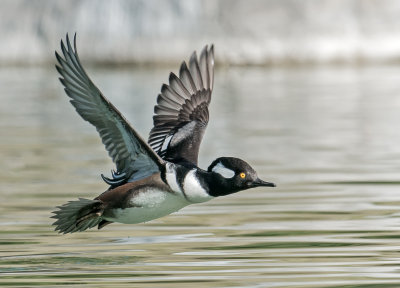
(233, 175)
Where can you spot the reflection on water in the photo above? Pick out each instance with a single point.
(328, 137)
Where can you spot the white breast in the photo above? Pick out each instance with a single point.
(194, 192)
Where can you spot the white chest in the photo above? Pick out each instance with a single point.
(193, 190)
(189, 187)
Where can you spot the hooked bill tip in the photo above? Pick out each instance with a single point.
(260, 182)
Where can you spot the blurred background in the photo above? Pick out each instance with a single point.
(252, 32)
(308, 92)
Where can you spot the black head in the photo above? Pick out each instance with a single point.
(232, 175)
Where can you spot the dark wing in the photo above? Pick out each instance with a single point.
(181, 113)
(132, 156)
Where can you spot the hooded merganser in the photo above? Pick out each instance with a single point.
(156, 178)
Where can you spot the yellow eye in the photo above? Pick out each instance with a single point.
(242, 175)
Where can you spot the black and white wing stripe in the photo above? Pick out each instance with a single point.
(181, 113)
(133, 157)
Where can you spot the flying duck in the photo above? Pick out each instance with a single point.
(158, 177)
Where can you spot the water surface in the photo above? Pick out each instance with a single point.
(329, 138)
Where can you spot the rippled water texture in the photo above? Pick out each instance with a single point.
(329, 137)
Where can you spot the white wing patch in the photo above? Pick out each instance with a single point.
(166, 143)
(183, 133)
(223, 171)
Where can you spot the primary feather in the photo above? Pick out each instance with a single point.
(181, 114)
(132, 156)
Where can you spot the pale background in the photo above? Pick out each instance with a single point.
(244, 32)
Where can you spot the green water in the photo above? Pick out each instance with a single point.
(329, 138)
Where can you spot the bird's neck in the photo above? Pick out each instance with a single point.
(215, 184)
(183, 176)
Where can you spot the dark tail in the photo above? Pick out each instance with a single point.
(76, 216)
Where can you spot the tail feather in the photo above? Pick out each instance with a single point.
(78, 215)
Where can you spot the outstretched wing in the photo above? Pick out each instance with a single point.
(133, 157)
(181, 113)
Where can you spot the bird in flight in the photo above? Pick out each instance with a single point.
(155, 178)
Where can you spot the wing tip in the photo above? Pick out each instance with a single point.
(211, 52)
(68, 43)
(173, 78)
(183, 67)
(75, 43)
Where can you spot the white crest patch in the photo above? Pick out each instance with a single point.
(223, 171)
